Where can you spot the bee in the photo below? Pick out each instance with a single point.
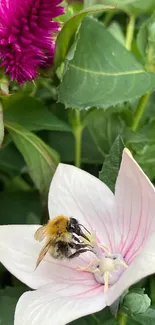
(63, 238)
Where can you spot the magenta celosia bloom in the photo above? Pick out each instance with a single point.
(124, 222)
(26, 36)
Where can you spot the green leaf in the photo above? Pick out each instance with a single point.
(11, 161)
(15, 183)
(146, 159)
(146, 43)
(8, 300)
(135, 141)
(147, 318)
(1, 126)
(100, 318)
(31, 113)
(104, 130)
(142, 39)
(135, 7)
(66, 36)
(70, 10)
(115, 29)
(17, 207)
(149, 113)
(110, 169)
(39, 157)
(91, 320)
(64, 143)
(107, 80)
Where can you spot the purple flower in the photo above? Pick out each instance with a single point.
(26, 36)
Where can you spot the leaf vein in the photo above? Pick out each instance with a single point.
(108, 73)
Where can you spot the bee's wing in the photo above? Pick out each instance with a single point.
(43, 252)
(40, 234)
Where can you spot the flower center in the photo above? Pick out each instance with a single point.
(106, 267)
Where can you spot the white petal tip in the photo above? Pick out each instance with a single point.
(128, 152)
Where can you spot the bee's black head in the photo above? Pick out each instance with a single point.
(74, 227)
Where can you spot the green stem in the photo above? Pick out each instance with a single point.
(108, 17)
(95, 319)
(78, 129)
(152, 291)
(130, 32)
(140, 110)
(122, 319)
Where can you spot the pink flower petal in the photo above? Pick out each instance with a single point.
(135, 196)
(76, 193)
(19, 252)
(58, 304)
(141, 266)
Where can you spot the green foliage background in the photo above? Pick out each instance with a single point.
(97, 98)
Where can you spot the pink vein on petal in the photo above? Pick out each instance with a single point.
(61, 265)
(111, 225)
(129, 231)
(122, 217)
(139, 222)
(104, 226)
(74, 198)
(143, 240)
(90, 290)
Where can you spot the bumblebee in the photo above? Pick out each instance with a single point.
(63, 238)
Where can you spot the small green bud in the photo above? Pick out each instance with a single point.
(135, 303)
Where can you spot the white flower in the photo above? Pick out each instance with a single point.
(124, 222)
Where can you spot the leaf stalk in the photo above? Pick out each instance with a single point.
(130, 32)
(140, 111)
(78, 129)
(122, 319)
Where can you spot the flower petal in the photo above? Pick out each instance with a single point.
(135, 196)
(58, 304)
(76, 193)
(142, 266)
(19, 252)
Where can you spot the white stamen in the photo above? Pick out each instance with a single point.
(106, 284)
(104, 247)
(106, 267)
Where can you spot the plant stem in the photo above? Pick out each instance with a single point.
(95, 319)
(130, 32)
(78, 129)
(108, 17)
(140, 110)
(152, 285)
(122, 319)
(78, 138)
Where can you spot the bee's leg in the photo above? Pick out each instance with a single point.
(78, 246)
(85, 228)
(87, 268)
(76, 239)
(78, 252)
(90, 270)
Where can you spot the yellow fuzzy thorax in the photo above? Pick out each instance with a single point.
(56, 226)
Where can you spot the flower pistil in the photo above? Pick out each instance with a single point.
(106, 267)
